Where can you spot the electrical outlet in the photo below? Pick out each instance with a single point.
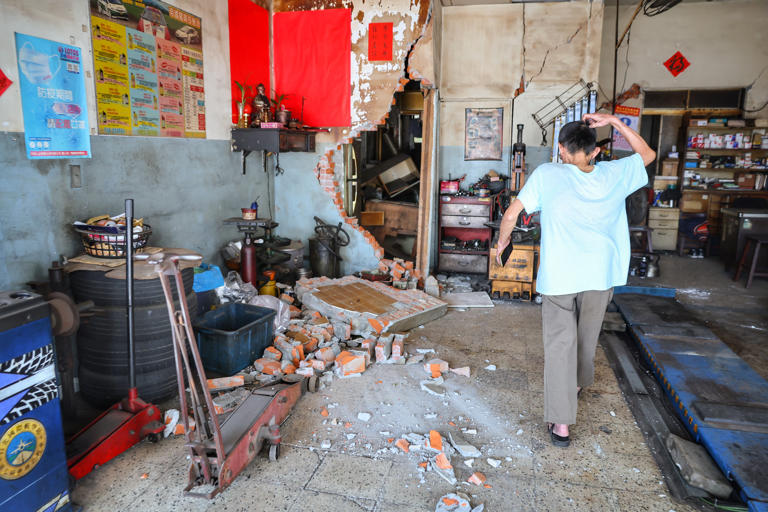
(75, 178)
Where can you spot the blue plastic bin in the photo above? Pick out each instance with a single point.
(231, 336)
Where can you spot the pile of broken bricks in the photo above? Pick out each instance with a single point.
(404, 275)
(322, 339)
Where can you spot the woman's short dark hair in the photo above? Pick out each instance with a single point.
(578, 136)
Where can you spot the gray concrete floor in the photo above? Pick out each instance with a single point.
(600, 471)
(739, 316)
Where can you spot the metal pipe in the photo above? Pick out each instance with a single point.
(629, 25)
(129, 290)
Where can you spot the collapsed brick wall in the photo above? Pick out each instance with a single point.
(373, 83)
(325, 174)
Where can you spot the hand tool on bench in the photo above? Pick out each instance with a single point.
(220, 446)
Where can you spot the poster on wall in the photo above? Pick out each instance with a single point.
(52, 99)
(148, 68)
(483, 133)
(630, 116)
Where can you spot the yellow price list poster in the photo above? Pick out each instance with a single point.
(111, 75)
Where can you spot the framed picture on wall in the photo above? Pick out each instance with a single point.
(483, 129)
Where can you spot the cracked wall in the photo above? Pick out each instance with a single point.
(486, 51)
(373, 83)
(312, 183)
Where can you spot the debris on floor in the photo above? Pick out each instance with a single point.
(171, 419)
(402, 273)
(477, 478)
(336, 328)
(455, 284)
(456, 502)
(345, 325)
(465, 449)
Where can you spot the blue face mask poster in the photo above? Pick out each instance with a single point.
(52, 98)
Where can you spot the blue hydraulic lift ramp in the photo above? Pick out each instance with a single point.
(721, 400)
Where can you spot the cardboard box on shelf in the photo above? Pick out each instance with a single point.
(669, 167)
(746, 180)
(662, 182)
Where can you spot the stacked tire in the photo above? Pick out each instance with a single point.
(102, 340)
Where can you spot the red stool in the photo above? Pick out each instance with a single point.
(758, 244)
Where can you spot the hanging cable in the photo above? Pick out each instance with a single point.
(758, 109)
(656, 7)
(626, 60)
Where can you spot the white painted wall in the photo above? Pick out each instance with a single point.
(68, 21)
(725, 41)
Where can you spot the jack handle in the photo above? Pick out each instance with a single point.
(166, 261)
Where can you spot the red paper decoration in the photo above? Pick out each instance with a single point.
(5, 82)
(380, 42)
(677, 63)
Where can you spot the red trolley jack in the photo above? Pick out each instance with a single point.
(127, 422)
(220, 446)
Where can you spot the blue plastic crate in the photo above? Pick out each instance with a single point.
(231, 336)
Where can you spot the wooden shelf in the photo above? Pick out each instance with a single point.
(709, 150)
(718, 169)
(734, 129)
(721, 190)
(274, 140)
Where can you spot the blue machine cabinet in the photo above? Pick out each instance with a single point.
(33, 465)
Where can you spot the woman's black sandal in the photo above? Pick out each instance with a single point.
(561, 441)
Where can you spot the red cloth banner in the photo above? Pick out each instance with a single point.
(312, 52)
(380, 41)
(248, 46)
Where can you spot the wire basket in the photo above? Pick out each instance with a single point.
(109, 241)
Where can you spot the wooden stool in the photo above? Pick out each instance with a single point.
(758, 244)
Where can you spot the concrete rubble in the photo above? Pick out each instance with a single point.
(340, 338)
(327, 340)
(697, 466)
(464, 448)
(456, 502)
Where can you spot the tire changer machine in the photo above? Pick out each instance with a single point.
(33, 464)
